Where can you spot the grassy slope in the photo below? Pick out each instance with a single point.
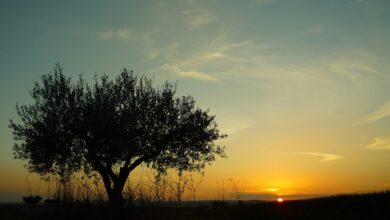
(365, 206)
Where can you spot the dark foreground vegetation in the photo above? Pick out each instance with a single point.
(364, 206)
(111, 127)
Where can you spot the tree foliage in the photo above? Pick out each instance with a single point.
(111, 127)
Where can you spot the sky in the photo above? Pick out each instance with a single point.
(301, 87)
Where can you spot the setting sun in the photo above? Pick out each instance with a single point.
(228, 105)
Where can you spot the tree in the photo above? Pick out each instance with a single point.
(112, 127)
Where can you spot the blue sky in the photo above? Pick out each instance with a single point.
(301, 87)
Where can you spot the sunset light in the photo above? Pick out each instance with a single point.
(272, 189)
(195, 103)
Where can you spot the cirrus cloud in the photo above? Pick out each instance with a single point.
(196, 75)
(120, 34)
(324, 157)
(380, 113)
(380, 143)
(198, 18)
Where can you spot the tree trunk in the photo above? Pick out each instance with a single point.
(116, 201)
(114, 183)
(115, 196)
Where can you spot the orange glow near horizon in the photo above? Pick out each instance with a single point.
(272, 189)
(280, 200)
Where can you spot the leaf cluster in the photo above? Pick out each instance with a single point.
(112, 124)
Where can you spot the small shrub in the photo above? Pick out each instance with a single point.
(32, 200)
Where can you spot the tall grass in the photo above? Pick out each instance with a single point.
(148, 189)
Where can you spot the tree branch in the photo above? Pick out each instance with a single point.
(136, 163)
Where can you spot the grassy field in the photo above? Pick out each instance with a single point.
(363, 206)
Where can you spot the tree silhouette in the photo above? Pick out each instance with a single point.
(111, 128)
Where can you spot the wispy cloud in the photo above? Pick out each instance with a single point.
(256, 61)
(316, 29)
(324, 157)
(354, 67)
(197, 75)
(182, 69)
(380, 143)
(215, 56)
(127, 34)
(198, 18)
(380, 113)
(232, 123)
(167, 53)
(355, 64)
(120, 34)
